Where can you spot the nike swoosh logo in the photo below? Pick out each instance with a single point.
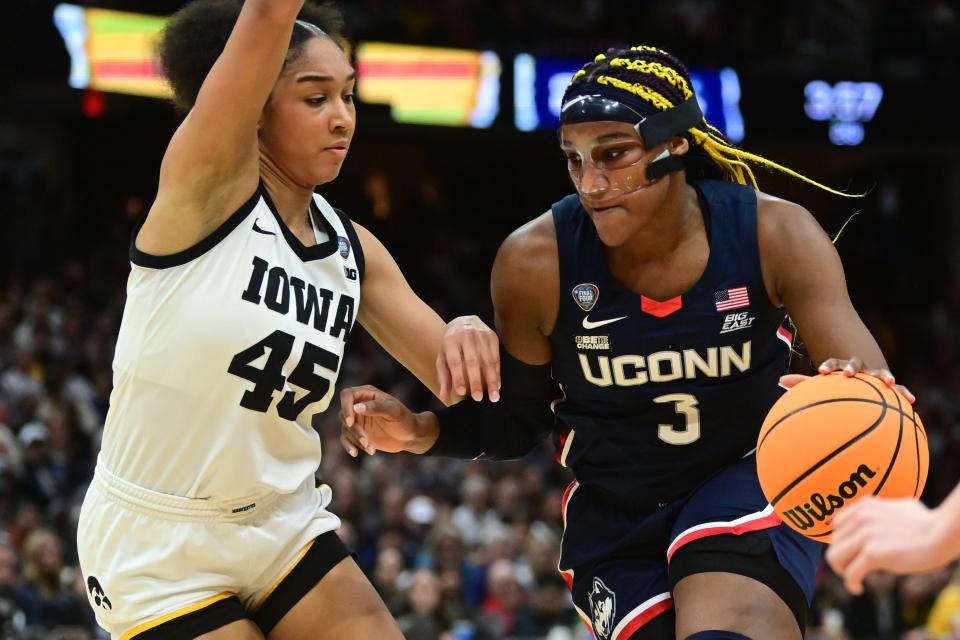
(599, 323)
(263, 231)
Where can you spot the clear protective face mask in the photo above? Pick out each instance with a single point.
(609, 170)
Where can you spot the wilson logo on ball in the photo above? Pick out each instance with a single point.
(832, 439)
(821, 507)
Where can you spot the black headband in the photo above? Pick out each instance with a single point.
(312, 28)
(653, 126)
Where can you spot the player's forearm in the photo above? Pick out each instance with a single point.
(482, 429)
(280, 10)
(505, 430)
(428, 429)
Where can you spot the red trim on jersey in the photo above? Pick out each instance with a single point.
(566, 574)
(585, 622)
(565, 500)
(757, 524)
(558, 455)
(644, 617)
(660, 309)
(784, 334)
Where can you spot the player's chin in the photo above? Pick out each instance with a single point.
(611, 226)
(326, 171)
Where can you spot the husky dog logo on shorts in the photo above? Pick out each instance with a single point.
(344, 245)
(603, 609)
(585, 295)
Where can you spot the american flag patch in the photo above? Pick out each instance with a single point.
(728, 299)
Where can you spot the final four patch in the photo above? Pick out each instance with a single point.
(586, 295)
(344, 245)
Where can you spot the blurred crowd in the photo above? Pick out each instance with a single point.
(852, 32)
(901, 36)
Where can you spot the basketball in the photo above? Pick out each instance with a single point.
(833, 439)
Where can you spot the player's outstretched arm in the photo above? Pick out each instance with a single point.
(462, 356)
(524, 285)
(372, 420)
(212, 162)
(902, 536)
(803, 273)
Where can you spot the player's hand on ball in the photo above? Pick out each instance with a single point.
(371, 421)
(876, 534)
(849, 367)
(469, 360)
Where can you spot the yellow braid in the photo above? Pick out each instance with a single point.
(644, 48)
(656, 69)
(653, 97)
(844, 227)
(713, 129)
(725, 156)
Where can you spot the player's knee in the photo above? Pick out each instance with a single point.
(717, 635)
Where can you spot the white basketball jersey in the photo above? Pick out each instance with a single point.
(226, 354)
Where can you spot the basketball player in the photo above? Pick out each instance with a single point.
(650, 307)
(902, 536)
(202, 519)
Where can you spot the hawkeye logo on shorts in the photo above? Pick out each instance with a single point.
(586, 295)
(603, 609)
(99, 598)
(737, 321)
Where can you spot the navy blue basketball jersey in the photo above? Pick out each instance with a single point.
(659, 395)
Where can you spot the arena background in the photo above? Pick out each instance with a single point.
(468, 550)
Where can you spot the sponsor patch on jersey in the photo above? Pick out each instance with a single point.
(586, 295)
(737, 321)
(603, 609)
(593, 343)
(344, 245)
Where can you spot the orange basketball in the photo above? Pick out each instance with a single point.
(831, 440)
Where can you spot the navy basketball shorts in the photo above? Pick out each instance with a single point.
(621, 565)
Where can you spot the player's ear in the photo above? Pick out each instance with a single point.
(678, 145)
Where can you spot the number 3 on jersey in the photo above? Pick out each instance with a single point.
(270, 378)
(685, 405)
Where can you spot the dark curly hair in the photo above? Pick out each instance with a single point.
(196, 35)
